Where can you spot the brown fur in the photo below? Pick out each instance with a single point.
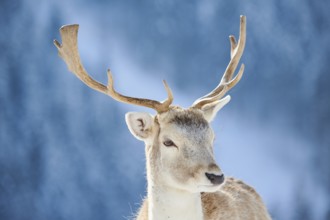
(234, 201)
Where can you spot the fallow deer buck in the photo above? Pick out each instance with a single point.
(184, 181)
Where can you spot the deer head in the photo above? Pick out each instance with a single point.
(179, 142)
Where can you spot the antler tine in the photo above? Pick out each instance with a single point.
(160, 107)
(68, 51)
(233, 45)
(226, 83)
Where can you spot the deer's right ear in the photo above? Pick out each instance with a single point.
(140, 124)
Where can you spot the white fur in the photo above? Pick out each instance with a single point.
(172, 204)
(170, 198)
(140, 124)
(176, 173)
(211, 110)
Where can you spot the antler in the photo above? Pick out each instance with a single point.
(68, 51)
(227, 82)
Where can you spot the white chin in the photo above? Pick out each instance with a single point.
(208, 188)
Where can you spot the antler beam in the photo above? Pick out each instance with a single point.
(227, 82)
(68, 51)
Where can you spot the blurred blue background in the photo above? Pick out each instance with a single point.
(65, 151)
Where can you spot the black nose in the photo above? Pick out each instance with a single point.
(215, 179)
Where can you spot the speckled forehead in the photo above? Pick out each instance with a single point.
(191, 119)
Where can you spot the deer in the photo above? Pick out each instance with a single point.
(184, 182)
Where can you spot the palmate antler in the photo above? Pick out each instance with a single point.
(69, 53)
(227, 82)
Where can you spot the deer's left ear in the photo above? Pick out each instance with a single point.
(211, 110)
(140, 124)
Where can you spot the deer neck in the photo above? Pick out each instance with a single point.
(168, 203)
(173, 204)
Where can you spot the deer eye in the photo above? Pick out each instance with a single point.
(169, 143)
